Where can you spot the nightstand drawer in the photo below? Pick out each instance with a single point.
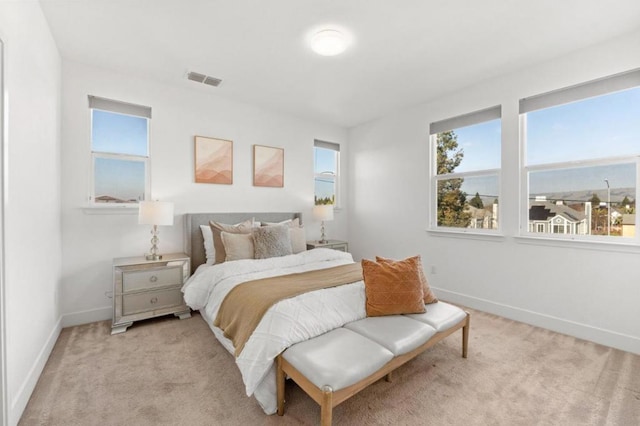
(151, 300)
(151, 278)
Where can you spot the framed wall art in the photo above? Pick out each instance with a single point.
(213, 160)
(268, 166)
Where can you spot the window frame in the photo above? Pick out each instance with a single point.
(453, 123)
(317, 143)
(124, 108)
(572, 94)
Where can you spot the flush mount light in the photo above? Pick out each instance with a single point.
(328, 43)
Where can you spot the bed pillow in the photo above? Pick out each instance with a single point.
(209, 251)
(217, 227)
(429, 297)
(237, 246)
(296, 233)
(271, 241)
(392, 288)
(298, 239)
(291, 223)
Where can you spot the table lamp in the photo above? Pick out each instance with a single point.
(155, 213)
(323, 213)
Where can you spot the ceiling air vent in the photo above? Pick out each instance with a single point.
(212, 81)
(201, 78)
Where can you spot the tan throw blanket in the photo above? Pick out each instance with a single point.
(242, 309)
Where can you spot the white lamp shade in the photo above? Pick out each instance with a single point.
(324, 212)
(155, 213)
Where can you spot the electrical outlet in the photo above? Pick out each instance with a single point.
(433, 270)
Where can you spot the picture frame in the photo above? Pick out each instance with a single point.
(213, 160)
(268, 166)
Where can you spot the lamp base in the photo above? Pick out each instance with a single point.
(153, 253)
(323, 239)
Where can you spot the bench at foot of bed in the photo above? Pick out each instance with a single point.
(335, 366)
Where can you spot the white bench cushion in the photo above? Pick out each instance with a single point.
(441, 316)
(397, 333)
(337, 359)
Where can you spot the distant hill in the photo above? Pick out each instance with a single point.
(617, 195)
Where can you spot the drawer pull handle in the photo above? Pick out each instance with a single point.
(153, 278)
(154, 300)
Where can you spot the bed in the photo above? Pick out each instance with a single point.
(287, 322)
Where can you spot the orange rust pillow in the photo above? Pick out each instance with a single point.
(392, 288)
(429, 297)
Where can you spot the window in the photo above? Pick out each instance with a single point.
(466, 171)
(119, 152)
(326, 165)
(581, 151)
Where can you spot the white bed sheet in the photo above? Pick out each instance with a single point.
(287, 322)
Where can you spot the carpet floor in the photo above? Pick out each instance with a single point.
(174, 372)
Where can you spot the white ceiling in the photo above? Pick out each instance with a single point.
(403, 52)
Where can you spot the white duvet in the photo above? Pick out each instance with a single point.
(287, 322)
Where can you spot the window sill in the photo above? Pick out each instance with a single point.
(472, 235)
(110, 209)
(624, 247)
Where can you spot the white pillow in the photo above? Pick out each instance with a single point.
(291, 223)
(298, 239)
(209, 251)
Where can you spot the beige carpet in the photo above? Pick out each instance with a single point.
(173, 372)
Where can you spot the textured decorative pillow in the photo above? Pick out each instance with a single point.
(209, 251)
(271, 241)
(298, 239)
(392, 288)
(216, 228)
(429, 297)
(237, 246)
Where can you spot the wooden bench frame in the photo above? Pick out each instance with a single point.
(328, 399)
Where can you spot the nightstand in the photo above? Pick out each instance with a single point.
(332, 244)
(148, 288)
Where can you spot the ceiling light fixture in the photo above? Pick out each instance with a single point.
(329, 43)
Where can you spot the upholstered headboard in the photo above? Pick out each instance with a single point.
(193, 241)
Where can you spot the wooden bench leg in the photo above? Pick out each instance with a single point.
(465, 336)
(326, 408)
(389, 376)
(280, 385)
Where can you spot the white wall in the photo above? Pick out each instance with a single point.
(587, 292)
(32, 199)
(90, 241)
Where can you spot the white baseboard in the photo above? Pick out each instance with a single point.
(19, 403)
(582, 331)
(85, 317)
